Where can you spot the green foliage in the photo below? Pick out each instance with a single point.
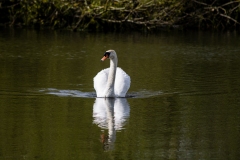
(121, 14)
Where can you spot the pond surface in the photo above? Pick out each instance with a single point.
(184, 96)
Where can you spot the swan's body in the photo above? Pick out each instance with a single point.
(113, 81)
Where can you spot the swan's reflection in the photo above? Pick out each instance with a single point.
(111, 114)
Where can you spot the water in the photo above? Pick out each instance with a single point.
(183, 102)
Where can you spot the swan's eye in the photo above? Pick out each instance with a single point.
(107, 54)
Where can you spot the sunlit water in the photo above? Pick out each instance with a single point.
(183, 102)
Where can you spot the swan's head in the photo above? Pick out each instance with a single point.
(111, 54)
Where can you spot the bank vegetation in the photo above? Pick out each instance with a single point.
(121, 14)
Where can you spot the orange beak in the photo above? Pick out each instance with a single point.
(104, 58)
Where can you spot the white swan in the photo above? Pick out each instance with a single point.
(113, 81)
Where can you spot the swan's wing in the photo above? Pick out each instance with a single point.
(122, 83)
(100, 82)
(121, 112)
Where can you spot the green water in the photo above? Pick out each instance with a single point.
(185, 89)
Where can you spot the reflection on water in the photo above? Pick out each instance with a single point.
(110, 114)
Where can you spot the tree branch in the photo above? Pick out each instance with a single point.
(230, 18)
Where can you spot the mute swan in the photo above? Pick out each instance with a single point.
(113, 81)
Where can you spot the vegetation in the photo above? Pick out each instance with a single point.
(121, 14)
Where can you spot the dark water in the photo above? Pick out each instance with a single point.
(184, 96)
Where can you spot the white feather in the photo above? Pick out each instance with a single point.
(121, 86)
(122, 80)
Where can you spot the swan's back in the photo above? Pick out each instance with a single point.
(122, 83)
(100, 82)
(121, 86)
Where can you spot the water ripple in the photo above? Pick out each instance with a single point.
(68, 93)
(77, 93)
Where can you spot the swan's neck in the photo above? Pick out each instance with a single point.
(111, 78)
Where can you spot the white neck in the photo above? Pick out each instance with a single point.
(111, 78)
